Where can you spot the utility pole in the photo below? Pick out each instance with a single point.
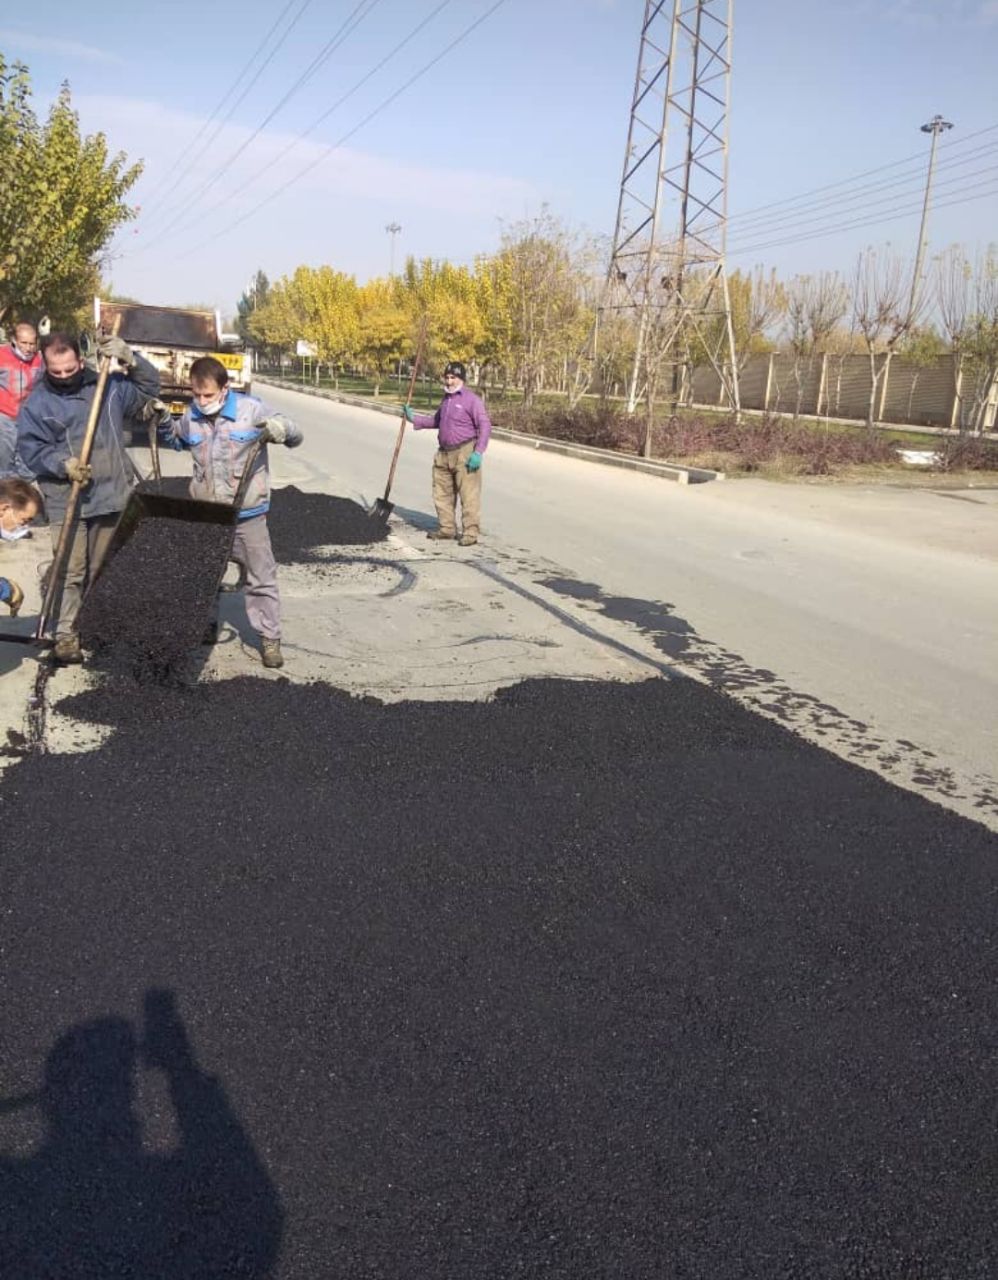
(393, 229)
(667, 267)
(935, 126)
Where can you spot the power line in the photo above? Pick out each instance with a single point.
(173, 178)
(858, 194)
(328, 151)
(229, 196)
(891, 198)
(871, 222)
(880, 169)
(343, 32)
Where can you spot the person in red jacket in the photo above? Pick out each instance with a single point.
(20, 365)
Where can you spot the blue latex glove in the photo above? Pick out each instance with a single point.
(475, 461)
(407, 412)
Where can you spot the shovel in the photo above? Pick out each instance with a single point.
(57, 572)
(382, 508)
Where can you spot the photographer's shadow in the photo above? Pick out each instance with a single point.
(89, 1201)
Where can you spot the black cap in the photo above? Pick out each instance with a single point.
(457, 368)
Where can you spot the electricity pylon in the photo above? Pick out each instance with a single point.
(667, 266)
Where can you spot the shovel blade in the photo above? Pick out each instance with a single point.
(381, 510)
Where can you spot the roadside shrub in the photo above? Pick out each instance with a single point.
(965, 453)
(600, 425)
(771, 443)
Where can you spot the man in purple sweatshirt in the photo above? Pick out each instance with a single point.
(463, 431)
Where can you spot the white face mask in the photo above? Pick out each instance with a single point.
(213, 407)
(12, 535)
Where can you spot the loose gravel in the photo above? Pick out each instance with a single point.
(592, 980)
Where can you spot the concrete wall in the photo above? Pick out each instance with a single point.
(839, 386)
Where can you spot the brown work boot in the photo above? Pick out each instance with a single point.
(441, 535)
(67, 651)
(271, 650)
(467, 539)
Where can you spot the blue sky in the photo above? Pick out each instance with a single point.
(530, 109)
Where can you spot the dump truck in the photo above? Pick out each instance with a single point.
(172, 338)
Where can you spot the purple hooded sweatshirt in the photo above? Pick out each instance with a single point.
(461, 417)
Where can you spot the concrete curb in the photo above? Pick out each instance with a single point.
(583, 452)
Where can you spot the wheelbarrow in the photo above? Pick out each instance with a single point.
(185, 545)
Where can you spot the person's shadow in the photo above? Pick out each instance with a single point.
(91, 1202)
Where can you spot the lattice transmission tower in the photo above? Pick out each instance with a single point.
(667, 268)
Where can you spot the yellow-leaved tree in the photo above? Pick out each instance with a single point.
(447, 296)
(385, 327)
(61, 201)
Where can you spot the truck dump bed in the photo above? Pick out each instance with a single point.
(162, 326)
(172, 338)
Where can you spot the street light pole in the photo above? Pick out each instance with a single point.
(393, 229)
(935, 126)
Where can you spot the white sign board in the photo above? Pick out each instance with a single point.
(303, 348)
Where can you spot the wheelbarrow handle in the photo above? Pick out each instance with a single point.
(247, 474)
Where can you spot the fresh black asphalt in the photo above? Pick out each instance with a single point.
(593, 980)
(149, 606)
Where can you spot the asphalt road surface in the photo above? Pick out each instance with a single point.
(592, 979)
(878, 608)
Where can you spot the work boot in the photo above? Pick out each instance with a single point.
(67, 651)
(440, 535)
(271, 650)
(210, 634)
(467, 539)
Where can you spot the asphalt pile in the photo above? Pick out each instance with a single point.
(150, 604)
(300, 522)
(591, 980)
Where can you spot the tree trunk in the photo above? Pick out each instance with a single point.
(871, 409)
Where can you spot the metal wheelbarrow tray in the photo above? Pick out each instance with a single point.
(155, 591)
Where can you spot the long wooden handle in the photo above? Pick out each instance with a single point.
(395, 456)
(420, 342)
(66, 532)
(408, 397)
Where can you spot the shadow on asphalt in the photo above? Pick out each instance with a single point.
(91, 1198)
(422, 520)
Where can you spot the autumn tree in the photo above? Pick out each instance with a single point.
(254, 296)
(494, 288)
(549, 319)
(757, 300)
(881, 314)
(967, 300)
(61, 201)
(447, 295)
(316, 304)
(384, 328)
(814, 306)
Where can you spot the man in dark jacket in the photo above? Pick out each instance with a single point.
(463, 431)
(50, 431)
(20, 367)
